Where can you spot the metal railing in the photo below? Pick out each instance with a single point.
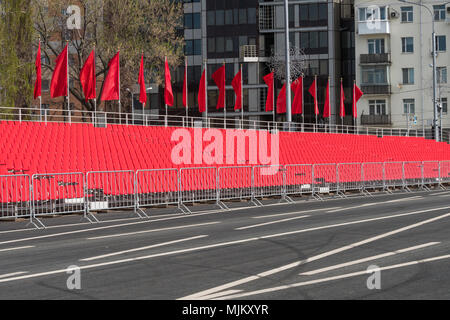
(54, 194)
(234, 121)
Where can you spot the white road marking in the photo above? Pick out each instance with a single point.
(2, 276)
(16, 248)
(232, 284)
(348, 275)
(221, 294)
(143, 248)
(374, 204)
(222, 244)
(153, 230)
(383, 255)
(292, 213)
(269, 223)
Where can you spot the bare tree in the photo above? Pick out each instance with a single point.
(299, 64)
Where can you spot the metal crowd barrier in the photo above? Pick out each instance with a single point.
(62, 193)
(15, 196)
(349, 176)
(235, 183)
(156, 187)
(57, 193)
(198, 184)
(110, 190)
(373, 175)
(325, 178)
(299, 179)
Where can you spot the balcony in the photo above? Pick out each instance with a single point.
(378, 58)
(376, 88)
(249, 53)
(371, 27)
(376, 119)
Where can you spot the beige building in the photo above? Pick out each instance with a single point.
(393, 48)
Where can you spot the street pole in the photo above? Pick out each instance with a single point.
(288, 64)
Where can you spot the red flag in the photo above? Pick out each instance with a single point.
(87, 77)
(202, 93)
(281, 100)
(143, 89)
(326, 107)
(219, 79)
(58, 86)
(268, 79)
(313, 92)
(237, 86)
(111, 87)
(185, 84)
(38, 83)
(168, 94)
(357, 94)
(297, 87)
(342, 113)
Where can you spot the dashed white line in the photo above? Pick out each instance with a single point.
(16, 248)
(292, 213)
(269, 223)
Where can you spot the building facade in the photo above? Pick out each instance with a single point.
(394, 62)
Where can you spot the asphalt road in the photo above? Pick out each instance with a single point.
(306, 250)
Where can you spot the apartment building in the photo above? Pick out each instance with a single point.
(394, 61)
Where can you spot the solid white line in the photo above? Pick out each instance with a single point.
(383, 255)
(317, 257)
(142, 248)
(348, 275)
(269, 223)
(16, 248)
(152, 230)
(12, 274)
(291, 213)
(222, 244)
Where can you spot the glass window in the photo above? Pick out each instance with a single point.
(211, 45)
(313, 12)
(439, 12)
(408, 45)
(408, 75)
(377, 107)
(324, 39)
(444, 104)
(189, 48)
(229, 44)
(188, 20)
(251, 15)
(304, 40)
(376, 46)
(211, 18)
(324, 67)
(374, 75)
(220, 44)
(409, 106)
(441, 74)
(303, 12)
(243, 41)
(220, 18)
(314, 39)
(407, 14)
(198, 47)
(229, 16)
(242, 16)
(197, 21)
(441, 43)
(323, 11)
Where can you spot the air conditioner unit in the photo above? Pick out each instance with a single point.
(394, 14)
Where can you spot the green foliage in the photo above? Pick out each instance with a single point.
(16, 54)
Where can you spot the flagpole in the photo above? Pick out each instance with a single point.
(206, 92)
(303, 99)
(187, 92)
(273, 98)
(329, 103)
(355, 124)
(145, 87)
(120, 105)
(242, 97)
(316, 99)
(40, 96)
(225, 98)
(165, 62)
(95, 99)
(340, 107)
(68, 83)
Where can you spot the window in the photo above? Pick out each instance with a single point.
(408, 75)
(211, 45)
(197, 21)
(313, 12)
(45, 85)
(408, 45)
(373, 13)
(220, 18)
(188, 21)
(220, 44)
(377, 107)
(439, 12)
(313, 39)
(444, 104)
(374, 75)
(441, 43)
(211, 18)
(193, 47)
(323, 39)
(409, 106)
(251, 15)
(441, 74)
(323, 11)
(242, 16)
(407, 14)
(229, 17)
(229, 44)
(376, 46)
